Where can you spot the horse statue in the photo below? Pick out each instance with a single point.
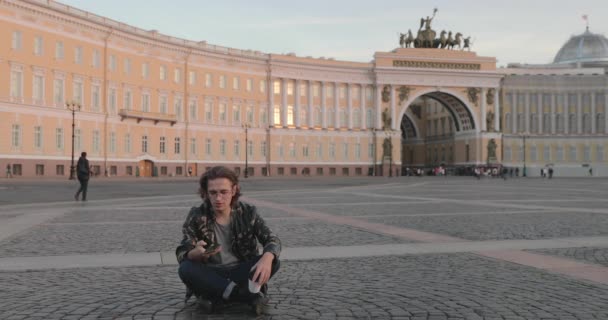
(467, 43)
(410, 39)
(449, 40)
(401, 40)
(443, 40)
(456, 42)
(419, 41)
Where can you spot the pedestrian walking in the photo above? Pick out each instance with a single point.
(83, 173)
(590, 172)
(9, 172)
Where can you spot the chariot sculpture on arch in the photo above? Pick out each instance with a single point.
(426, 37)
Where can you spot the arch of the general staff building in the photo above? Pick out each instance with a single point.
(156, 105)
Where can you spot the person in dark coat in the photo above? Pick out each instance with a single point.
(84, 173)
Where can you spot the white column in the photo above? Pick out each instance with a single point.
(271, 102)
(284, 102)
(323, 105)
(362, 108)
(579, 113)
(553, 113)
(497, 114)
(393, 111)
(593, 114)
(296, 104)
(527, 112)
(379, 106)
(349, 103)
(515, 108)
(566, 114)
(311, 109)
(483, 116)
(539, 111)
(336, 105)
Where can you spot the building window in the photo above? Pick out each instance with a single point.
(59, 170)
(145, 70)
(128, 100)
(236, 83)
(178, 108)
(345, 151)
(262, 86)
(96, 58)
(223, 82)
(127, 66)
(599, 153)
(343, 117)
(572, 123)
(145, 102)
(178, 171)
(290, 116)
(129, 170)
(587, 154)
(16, 40)
(559, 123)
(263, 149)
(177, 75)
(59, 50)
(78, 92)
(292, 149)
(96, 144)
(303, 116)
(161, 147)
(112, 62)
(573, 153)
(208, 80)
(78, 55)
(356, 118)
(332, 150)
(113, 170)
(208, 147)
(163, 170)
(358, 151)
(17, 84)
(316, 90)
(208, 112)
(16, 136)
(39, 169)
(289, 88)
(559, 153)
(277, 115)
(600, 124)
(38, 46)
(546, 153)
(58, 92)
(193, 110)
(144, 144)
(163, 105)
(112, 100)
(127, 144)
(249, 85)
(250, 114)
(77, 139)
(59, 138)
(319, 151)
(277, 87)
(237, 148)
(38, 137)
(95, 92)
(236, 114)
(162, 73)
(38, 90)
(250, 148)
(191, 78)
(329, 91)
(222, 112)
(112, 146)
(177, 145)
(223, 147)
(193, 146)
(533, 154)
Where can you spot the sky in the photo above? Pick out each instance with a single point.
(513, 31)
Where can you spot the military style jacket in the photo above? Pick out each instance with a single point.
(248, 229)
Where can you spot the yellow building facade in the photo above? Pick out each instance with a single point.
(149, 104)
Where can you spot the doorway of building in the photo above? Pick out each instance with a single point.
(145, 168)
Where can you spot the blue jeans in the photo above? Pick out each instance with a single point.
(210, 281)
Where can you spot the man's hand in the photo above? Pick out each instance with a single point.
(263, 268)
(199, 253)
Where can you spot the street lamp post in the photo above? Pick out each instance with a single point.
(246, 126)
(73, 106)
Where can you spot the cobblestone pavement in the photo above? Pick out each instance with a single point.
(372, 281)
(592, 255)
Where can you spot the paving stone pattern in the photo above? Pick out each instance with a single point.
(592, 255)
(507, 226)
(430, 287)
